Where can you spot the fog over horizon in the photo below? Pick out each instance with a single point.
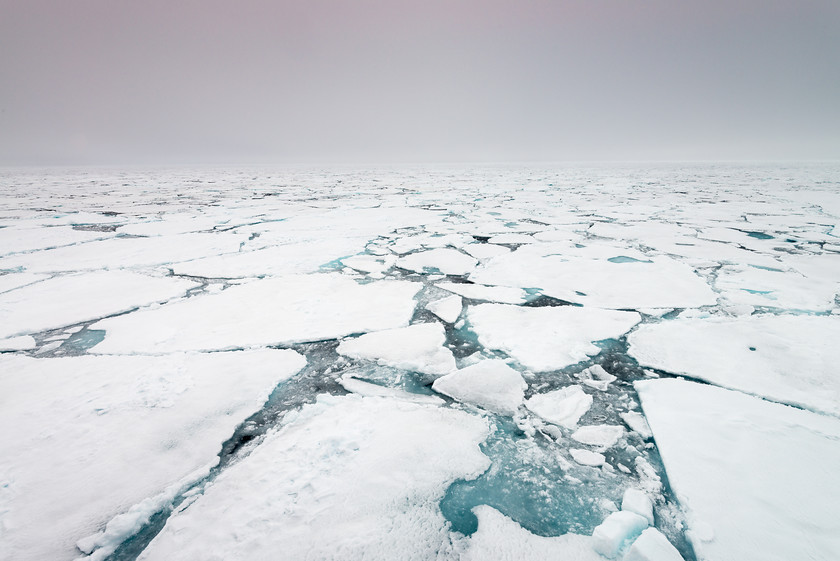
(374, 81)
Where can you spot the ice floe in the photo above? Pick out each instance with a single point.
(445, 260)
(502, 294)
(756, 479)
(418, 347)
(69, 299)
(354, 477)
(95, 435)
(263, 312)
(601, 436)
(791, 359)
(547, 338)
(490, 384)
(562, 407)
(448, 308)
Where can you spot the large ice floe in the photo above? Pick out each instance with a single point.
(437, 363)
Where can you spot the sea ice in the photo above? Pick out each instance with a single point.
(263, 312)
(68, 299)
(21, 343)
(448, 308)
(637, 423)
(490, 384)
(602, 436)
(10, 281)
(638, 501)
(502, 294)
(791, 359)
(547, 338)
(501, 539)
(756, 479)
(447, 261)
(418, 347)
(562, 407)
(95, 435)
(347, 477)
(587, 457)
(652, 545)
(616, 532)
(775, 288)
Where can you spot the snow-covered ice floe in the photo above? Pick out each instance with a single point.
(757, 480)
(86, 438)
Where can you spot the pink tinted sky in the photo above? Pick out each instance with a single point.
(114, 81)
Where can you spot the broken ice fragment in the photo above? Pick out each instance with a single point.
(562, 407)
(651, 545)
(602, 436)
(616, 531)
(586, 457)
(448, 309)
(489, 384)
(637, 501)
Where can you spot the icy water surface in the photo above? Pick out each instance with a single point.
(238, 362)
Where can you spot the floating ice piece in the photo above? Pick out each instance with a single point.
(602, 436)
(729, 459)
(485, 250)
(587, 457)
(636, 422)
(447, 261)
(368, 389)
(616, 532)
(448, 309)
(359, 476)
(562, 407)
(490, 384)
(596, 377)
(548, 338)
(95, 435)
(652, 545)
(417, 347)
(791, 359)
(70, 299)
(288, 259)
(637, 501)
(661, 283)
(22, 343)
(502, 294)
(263, 312)
(501, 539)
(370, 263)
(512, 238)
(117, 253)
(776, 289)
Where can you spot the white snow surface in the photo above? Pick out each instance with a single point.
(69, 299)
(418, 347)
(446, 260)
(448, 308)
(786, 358)
(489, 384)
(562, 407)
(499, 538)
(346, 478)
(756, 479)
(547, 338)
(94, 436)
(289, 309)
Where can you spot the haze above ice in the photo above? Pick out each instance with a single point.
(258, 81)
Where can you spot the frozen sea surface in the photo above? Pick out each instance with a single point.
(438, 363)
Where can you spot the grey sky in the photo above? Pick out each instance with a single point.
(120, 81)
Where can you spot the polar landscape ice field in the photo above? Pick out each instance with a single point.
(637, 363)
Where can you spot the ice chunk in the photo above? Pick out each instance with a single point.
(659, 283)
(485, 250)
(374, 390)
(776, 289)
(791, 359)
(548, 338)
(21, 343)
(503, 294)
(264, 312)
(94, 435)
(636, 421)
(602, 436)
(562, 407)
(70, 299)
(447, 261)
(350, 476)
(596, 377)
(730, 459)
(616, 532)
(448, 309)
(370, 263)
(651, 545)
(637, 501)
(417, 347)
(501, 539)
(587, 457)
(490, 384)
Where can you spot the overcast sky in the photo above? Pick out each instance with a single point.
(172, 81)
